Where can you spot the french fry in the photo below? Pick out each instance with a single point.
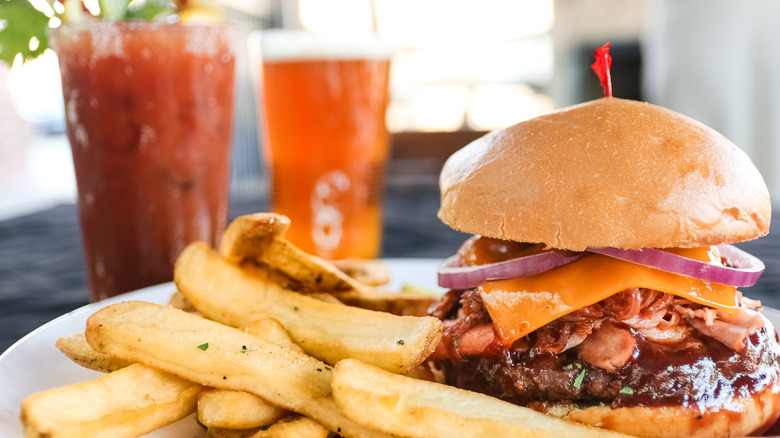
(267, 274)
(370, 272)
(218, 356)
(78, 350)
(397, 303)
(235, 410)
(129, 402)
(272, 331)
(260, 236)
(294, 427)
(216, 408)
(221, 432)
(230, 410)
(309, 269)
(330, 332)
(416, 408)
(410, 300)
(248, 236)
(324, 296)
(179, 301)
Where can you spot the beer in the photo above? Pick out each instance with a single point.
(325, 147)
(149, 109)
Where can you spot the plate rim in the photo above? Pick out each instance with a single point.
(85, 308)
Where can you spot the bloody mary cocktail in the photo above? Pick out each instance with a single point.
(149, 109)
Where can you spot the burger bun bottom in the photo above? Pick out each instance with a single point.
(747, 416)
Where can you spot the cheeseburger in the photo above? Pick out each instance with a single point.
(601, 284)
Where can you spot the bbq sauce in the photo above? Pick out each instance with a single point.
(700, 373)
(481, 250)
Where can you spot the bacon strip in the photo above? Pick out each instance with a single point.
(608, 347)
(476, 340)
(657, 316)
(730, 328)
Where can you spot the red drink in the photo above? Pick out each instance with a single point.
(326, 145)
(149, 109)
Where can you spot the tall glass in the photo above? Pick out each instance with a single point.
(325, 139)
(149, 111)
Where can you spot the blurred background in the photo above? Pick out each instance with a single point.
(463, 68)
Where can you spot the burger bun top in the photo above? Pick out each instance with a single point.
(609, 172)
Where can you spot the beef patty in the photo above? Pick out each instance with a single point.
(592, 356)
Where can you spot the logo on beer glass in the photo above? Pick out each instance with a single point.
(327, 223)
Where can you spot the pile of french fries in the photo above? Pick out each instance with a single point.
(264, 340)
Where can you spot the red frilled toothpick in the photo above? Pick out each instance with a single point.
(602, 66)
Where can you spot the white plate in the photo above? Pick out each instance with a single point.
(34, 364)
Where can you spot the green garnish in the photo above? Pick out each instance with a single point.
(113, 9)
(23, 26)
(626, 390)
(24, 30)
(148, 10)
(204, 347)
(400, 342)
(579, 379)
(244, 349)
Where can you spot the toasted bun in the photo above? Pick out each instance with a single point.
(742, 417)
(610, 172)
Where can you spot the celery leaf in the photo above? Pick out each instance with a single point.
(20, 24)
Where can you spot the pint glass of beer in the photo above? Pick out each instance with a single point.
(325, 143)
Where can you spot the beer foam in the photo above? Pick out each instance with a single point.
(286, 45)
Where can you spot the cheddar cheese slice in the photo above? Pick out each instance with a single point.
(521, 305)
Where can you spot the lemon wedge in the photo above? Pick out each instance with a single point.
(200, 15)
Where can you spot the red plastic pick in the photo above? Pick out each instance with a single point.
(601, 66)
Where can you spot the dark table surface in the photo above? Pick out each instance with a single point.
(42, 273)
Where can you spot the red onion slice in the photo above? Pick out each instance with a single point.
(746, 272)
(452, 276)
(748, 268)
